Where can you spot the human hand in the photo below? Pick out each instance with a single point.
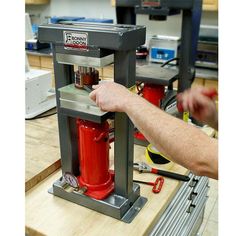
(200, 103)
(110, 96)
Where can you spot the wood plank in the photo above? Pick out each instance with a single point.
(32, 232)
(42, 154)
(113, 3)
(37, 2)
(44, 209)
(108, 72)
(47, 62)
(197, 82)
(50, 215)
(212, 84)
(34, 60)
(210, 5)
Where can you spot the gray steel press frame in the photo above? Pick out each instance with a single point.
(191, 16)
(103, 40)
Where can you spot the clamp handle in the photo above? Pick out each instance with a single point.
(158, 185)
(171, 175)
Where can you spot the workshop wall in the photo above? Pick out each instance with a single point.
(103, 9)
(172, 26)
(90, 8)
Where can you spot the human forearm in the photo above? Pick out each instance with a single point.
(181, 142)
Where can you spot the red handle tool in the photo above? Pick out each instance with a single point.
(157, 185)
(211, 94)
(143, 167)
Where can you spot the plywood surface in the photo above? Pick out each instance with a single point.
(46, 214)
(51, 215)
(42, 155)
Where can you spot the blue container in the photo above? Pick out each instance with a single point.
(57, 19)
(96, 20)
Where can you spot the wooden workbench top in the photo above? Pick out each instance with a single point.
(51, 215)
(42, 153)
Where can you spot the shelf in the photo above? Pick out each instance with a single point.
(210, 5)
(37, 2)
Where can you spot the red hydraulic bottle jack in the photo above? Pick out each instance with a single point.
(93, 146)
(153, 93)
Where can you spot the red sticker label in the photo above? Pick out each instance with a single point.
(75, 40)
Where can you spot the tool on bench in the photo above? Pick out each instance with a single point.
(157, 185)
(143, 167)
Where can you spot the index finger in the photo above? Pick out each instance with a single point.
(95, 86)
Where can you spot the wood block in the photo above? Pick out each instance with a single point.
(108, 71)
(198, 82)
(113, 3)
(36, 2)
(210, 5)
(34, 60)
(175, 84)
(42, 152)
(43, 209)
(46, 62)
(211, 84)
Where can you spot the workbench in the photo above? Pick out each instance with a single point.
(47, 214)
(52, 215)
(42, 155)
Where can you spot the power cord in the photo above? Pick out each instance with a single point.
(170, 60)
(43, 116)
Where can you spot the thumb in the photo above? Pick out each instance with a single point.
(92, 95)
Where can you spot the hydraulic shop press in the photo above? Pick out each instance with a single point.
(83, 128)
(155, 78)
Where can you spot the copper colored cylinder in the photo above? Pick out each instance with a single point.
(86, 76)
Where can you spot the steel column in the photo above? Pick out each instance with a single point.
(124, 70)
(126, 15)
(189, 36)
(64, 75)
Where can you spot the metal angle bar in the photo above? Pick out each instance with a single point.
(170, 225)
(180, 208)
(173, 208)
(193, 218)
(167, 213)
